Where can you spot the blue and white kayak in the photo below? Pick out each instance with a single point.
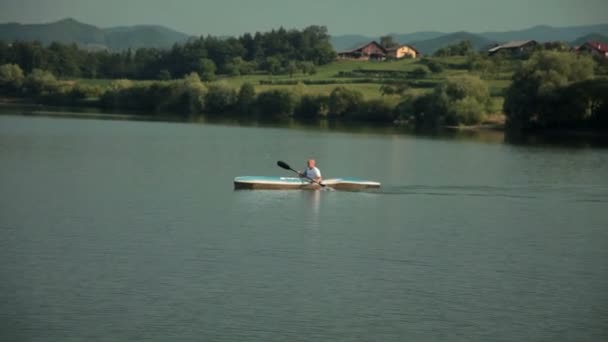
(296, 183)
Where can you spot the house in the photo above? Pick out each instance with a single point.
(596, 48)
(517, 47)
(371, 50)
(402, 51)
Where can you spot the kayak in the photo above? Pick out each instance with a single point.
(296, 183)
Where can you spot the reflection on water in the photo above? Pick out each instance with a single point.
(487, 135)
(540, 192)
(132, 230)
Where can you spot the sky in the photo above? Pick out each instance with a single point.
(370, 17)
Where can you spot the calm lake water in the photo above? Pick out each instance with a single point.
(131, 230)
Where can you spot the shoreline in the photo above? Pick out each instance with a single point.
(95, 112)
(494, 124)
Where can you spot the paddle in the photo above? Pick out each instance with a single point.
(286, 166)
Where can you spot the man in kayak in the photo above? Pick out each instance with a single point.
(311, 171)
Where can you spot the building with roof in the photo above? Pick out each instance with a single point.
(516, 47)
(402, 51)
(371, 50)
(595, 48)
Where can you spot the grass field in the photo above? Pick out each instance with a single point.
(330, 73)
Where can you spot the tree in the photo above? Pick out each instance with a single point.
(272, 65)
(11, 77)
(388, 42)
(39, 82)
(458, 100)
(434, 66)
(462, 48)
(343, 101)
(419, 72)
(246, 98)
(312, 106)
(164, 75)
(537, 83)
(206, 69)
(291, 68)
(276, 103)
(220, 99)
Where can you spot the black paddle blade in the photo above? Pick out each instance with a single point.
(283, 165)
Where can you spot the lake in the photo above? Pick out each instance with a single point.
(116, 230)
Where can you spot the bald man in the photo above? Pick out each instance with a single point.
(311, 171)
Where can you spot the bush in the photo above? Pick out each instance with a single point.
(343, 101)
(468, 99)
(434, 66)
(40, 82)
(312, 106)
(83, 91)
(11, 78)
(458, 100)
(536, 84)
(276, 103)
(206, 69)
(164, 75)
(378, 110)
(186, 95)
(189, 95)
(246, 98)
(220, 99)
(418, 73)
(462, 48)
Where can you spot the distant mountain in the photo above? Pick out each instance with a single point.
(417, 36)
(429, 46)
(351, 41)
(592, 37)
(119, 38)
(429, 42)
(89, 36)
(66, 30)
(545, 33)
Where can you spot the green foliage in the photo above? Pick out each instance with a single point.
(396, 89)
(11, 78)
(312, 106)
(343, 101)
(458, 100)
(276, 103)
(378, 110)
(84, 91)
(233, 56)
(388, 42)
(434, 66)
(537, 83)
(307, 68)
(462, 48)
(292, 68)
(220, 99)
(186, 96)
(468, 99)
(206, 69)
(190, 94)
(40, 82)
(164, 75)
(246, 98)
(272, 65)
(418, 73)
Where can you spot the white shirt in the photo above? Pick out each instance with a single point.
(313, 173)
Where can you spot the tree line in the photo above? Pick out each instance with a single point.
(276, 51)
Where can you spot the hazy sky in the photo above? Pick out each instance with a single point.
(373, 17)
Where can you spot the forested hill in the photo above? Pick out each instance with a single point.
(92, 37)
